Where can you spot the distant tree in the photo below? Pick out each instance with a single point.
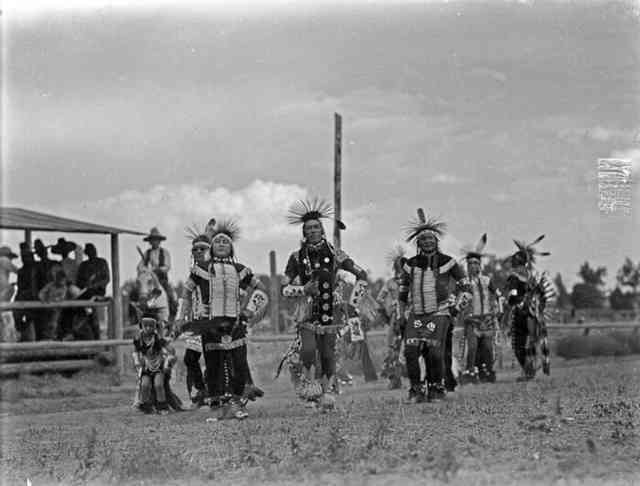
(591, 276)
(585, 296)
(629, 276)
(619, 300)
(564, 299)
(589, 293)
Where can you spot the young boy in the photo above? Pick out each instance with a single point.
(153, 358)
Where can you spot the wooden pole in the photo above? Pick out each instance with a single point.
(337, 175)
(116, 317)
(274, 305)
(27, 237)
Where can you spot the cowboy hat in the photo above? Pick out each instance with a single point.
(63, 246)
(5, 251)
(154, 234)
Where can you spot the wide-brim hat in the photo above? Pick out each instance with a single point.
(63, 246)
(154, 234)
(5, 251)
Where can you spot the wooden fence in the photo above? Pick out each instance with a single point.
(17, 358)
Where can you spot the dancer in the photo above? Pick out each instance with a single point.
(424, 290)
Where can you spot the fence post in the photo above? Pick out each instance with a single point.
(275, 293)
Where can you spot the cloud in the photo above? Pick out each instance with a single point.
(491, 73)
(443, 178)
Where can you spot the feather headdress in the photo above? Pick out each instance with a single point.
(228, 227)
(303, 211)
(526, 253)
(475, 252)
(422, 224)
(196, 235)
(395, 254)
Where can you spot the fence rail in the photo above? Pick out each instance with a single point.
(35, 304)
(36, 351)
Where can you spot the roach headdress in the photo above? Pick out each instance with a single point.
(475, 252)
(424, 225)
(317, 209)
(526, 254)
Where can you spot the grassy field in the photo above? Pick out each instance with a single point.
(579, 426)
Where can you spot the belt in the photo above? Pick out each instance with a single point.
(225, 346)
(319, 328)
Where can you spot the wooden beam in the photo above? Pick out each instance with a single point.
(7, 369)
(22, 355)
(337, 178)
(274, 304)
(28, 237)
(116, 317)
(36, 304)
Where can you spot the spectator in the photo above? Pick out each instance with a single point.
(6, 269)
(26, 320)
(45, 264)
(93, 274)
(56, 291)
(7, 329)
(69, 265)
(93, 278)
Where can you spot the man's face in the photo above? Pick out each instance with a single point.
(221, 246)
(427, 242)
(473, 266)
(148, 327)
(155, 243)
(200, 253)
(91, 252)
(312, 231)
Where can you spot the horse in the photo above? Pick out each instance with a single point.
(152, 298)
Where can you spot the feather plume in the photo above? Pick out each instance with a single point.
(227, 227)
(192, 232)
(396, 253)
(476, 251)
(528, 252)
(302, 211)
(422, 223)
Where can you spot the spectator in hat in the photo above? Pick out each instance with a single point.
(159, 260)
(26, 320)
(45, 264)
(69, 265)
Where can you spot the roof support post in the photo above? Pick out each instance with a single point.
(116, 309)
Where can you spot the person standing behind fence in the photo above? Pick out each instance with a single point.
(93, 278)
(69, 265)
(26, 320)
(56, 291)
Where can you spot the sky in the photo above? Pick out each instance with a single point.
(491, 115)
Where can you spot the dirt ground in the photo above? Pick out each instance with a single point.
(579, 426)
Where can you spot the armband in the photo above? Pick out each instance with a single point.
(293, 291)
